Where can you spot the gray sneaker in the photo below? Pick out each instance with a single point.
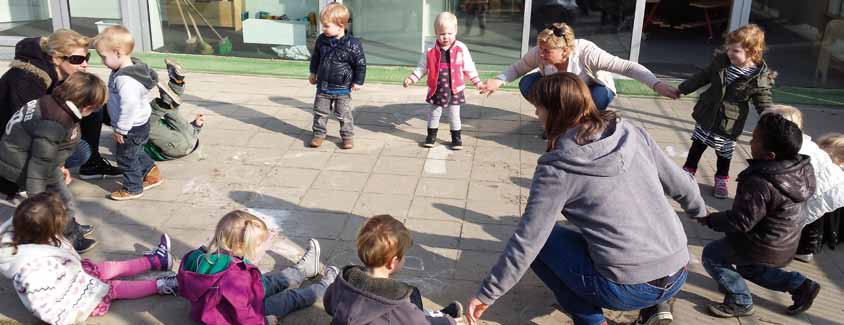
(167, 285)
(330, 275)
(174, 69)
(309, 263)
(165, 90)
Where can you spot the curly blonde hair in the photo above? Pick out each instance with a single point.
(751, 38)
(548, 37)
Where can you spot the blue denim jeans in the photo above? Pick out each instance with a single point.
(725, 265)
(601, 95)
(79, 156)
(565, 267)
(283, 295)
(132, 159)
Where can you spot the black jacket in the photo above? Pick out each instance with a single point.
(764, 224)
(355, 298)
(724, 109)
(37, 141)
(31, 75)
(338, 63)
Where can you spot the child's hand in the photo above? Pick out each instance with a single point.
(356, 87)
(66, 174)
(312, 79)
(408, 82)
(491, 86)
(118, 138)
(481, 87)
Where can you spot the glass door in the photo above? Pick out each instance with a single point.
(89, 17)
(25, 18)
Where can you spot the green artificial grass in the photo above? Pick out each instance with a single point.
(397, 74)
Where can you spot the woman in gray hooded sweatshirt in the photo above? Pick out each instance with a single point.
(609, 178)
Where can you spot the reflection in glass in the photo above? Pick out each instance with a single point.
(89, 17)
(25, 18)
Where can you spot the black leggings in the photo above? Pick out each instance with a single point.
(696, 151)
(92, 126)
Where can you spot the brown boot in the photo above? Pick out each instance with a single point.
(348, 143)
(153, 178)
(316, 142)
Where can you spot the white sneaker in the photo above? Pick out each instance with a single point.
(167, 285)
(806, 258)
(309, 263)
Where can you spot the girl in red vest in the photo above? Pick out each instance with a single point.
(448, 65)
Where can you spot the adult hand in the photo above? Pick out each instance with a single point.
(666, 90)
(356, 87)
(491, 86)
(66, 174)
(408, 82)
(475, 310)
(312, 79)
(118, 138)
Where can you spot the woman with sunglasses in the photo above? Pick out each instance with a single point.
(558, 51)
(39, 66)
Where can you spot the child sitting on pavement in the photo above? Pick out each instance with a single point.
(224, 286)
(763, 227)
(366, 294)
(170, 135)
(54, 282)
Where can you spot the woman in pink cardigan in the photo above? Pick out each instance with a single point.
(558, 51)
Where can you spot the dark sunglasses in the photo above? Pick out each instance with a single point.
(77, 59)
(559, 32)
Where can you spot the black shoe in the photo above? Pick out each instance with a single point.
(431, 139)
(84, 245)
(803, 297)
(86, 230)
(174, 70)
(98, 168)
(454, 309)
(659, 314)
(730, 310)
(456, 142)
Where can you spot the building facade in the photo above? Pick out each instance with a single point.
(673, 38)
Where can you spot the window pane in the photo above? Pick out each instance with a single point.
(88, 17)
(27, 18)
(607, 23)
(249, 28)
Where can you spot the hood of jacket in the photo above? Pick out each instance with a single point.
(31, 58)
(604, 157)
(141, 72)
(375, 296)
(789, 177)
(12, 259)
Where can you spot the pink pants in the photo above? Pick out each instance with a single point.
(120, 289)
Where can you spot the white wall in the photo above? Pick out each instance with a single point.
(23, 10)
(107, 9)
(292, 8)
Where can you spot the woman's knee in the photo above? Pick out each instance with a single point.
(526, 83)
(602, 96)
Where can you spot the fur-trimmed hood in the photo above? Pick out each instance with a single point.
(31, 58)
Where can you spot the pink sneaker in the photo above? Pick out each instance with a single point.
(720, 191)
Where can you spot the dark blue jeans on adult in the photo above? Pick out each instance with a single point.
(132, 159)
(565, 267)
(724, 264)
(79, 156)
(601, 95)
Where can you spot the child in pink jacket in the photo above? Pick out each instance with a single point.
(448, 65)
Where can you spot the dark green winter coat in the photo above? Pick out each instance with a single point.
(724, 109)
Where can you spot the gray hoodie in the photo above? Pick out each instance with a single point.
(613, 190)
(129, 96)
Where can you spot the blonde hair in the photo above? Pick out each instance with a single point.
(443, 20)
(547, 37)
(751, 38)
(116, 37)
(62, 43)
(833, 144)
(790, 113)
(380, 239)
(335, 13)
(83, 89)
(239, 233)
